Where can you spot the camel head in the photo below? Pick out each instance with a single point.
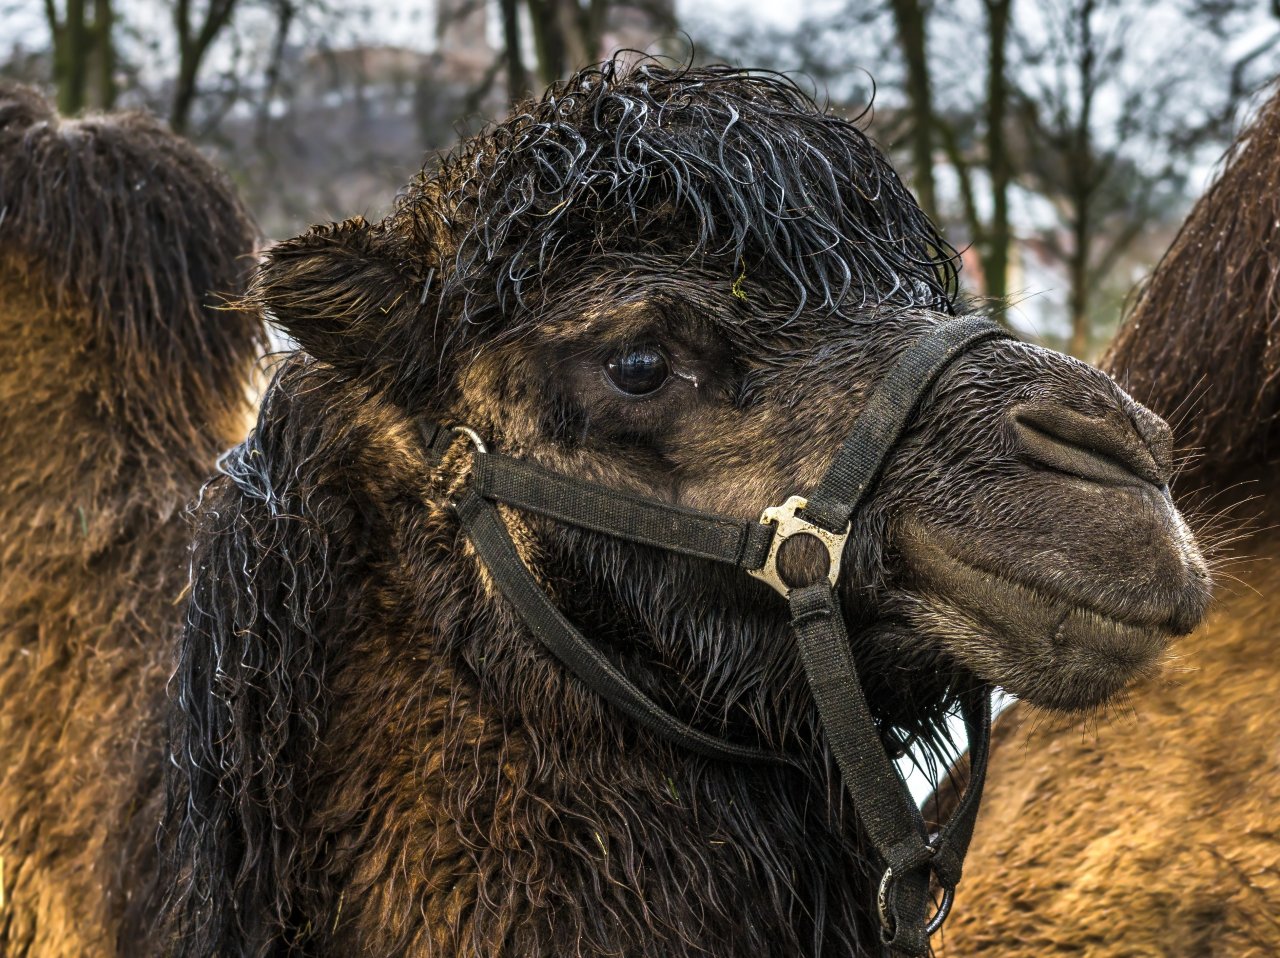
(680, 284)
(683, 284)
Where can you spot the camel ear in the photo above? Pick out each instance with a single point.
(350, 293)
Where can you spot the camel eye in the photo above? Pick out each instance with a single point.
(638, 370)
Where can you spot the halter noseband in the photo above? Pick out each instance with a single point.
(883, 805)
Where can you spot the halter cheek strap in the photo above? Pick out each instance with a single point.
(884, 806)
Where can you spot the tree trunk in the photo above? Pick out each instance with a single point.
(573, 25)
(286, 11)
(1081, 182)
(517, 75)
(84, 60)
(566, 35)
(71, 40)
(547, 43)
(1081, 327)
(597, 13)
(995, 253)
(193, 44)
(104, 56)
(909, 18)
(184, 95)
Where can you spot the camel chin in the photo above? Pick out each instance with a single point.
(1041, 636)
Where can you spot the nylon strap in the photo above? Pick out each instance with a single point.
(895, 828)
(882, 421)
(691, 532)
(489, 536)
(880, 798)
(589, 505)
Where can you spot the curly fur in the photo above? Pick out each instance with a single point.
(121, 378)
(372, 757)
(740, 167)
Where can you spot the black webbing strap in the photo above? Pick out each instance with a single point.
(884, 806)
(952, 843)
(692, 532)
(885, 416)
(887, 814)
(588, 505)
(489, 536)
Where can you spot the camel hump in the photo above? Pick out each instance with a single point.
(1201, 345)
(126, 239)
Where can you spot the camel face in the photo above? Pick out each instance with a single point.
(684, 286)
(1023, 531)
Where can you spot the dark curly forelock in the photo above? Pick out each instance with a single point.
(739, 167)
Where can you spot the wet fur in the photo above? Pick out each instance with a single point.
(121, 377)
(370, 756)
(488, 812)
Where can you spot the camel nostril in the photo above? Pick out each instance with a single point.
(1112, 449)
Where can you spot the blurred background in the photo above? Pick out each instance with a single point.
(1059, 143)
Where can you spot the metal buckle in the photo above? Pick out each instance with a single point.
(882, 907)
(478, 448)
(472, 435)
(789, 524)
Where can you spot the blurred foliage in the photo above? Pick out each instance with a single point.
(1058, 141)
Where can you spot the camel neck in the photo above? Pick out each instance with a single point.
(512, 829)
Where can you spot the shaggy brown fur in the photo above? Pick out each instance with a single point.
(1156, 835)
(1203, 341)
(372, 756)
(121, 377)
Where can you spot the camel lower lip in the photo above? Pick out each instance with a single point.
(1052, 650)
(936, 565)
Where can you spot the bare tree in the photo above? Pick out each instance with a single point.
(517, 75)
(911, 22)
(1251, 68)
(1107, 138)
(994, 241)
(1088, 124)
(986, 155)
(196, 34)
(84, 58)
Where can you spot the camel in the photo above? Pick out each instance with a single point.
(679, 284)
(1154, 834)
(122, 377)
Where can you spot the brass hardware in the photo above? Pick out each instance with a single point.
(788, 524)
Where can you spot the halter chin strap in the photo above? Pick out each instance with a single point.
(884, 806)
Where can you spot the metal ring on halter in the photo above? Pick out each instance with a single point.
(472, 435)
(476, 442)
(788, 522)
(882, 907)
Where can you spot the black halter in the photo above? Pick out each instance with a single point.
(883, 804)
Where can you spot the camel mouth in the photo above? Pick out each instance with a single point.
(1050, 647)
